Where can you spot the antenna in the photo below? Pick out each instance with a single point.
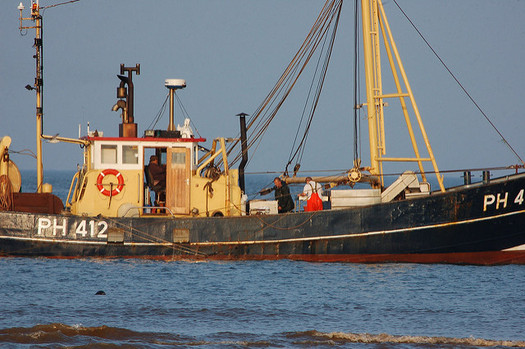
(172, 85)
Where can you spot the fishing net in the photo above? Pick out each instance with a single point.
(6, 194)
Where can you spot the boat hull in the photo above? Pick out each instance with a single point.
(476, 224)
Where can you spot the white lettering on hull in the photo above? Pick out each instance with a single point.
(84, 228)
(500, 200)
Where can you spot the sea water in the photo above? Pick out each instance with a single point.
(133, 303)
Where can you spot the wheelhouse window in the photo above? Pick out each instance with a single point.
(130, 154)
(123, 156)
(108, 154)
(178, 158)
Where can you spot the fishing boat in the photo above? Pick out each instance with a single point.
(116, 208)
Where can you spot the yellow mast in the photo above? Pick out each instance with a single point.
(375, 22)
(369, 37)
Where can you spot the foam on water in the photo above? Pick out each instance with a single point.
(386, 338)
(57, 334)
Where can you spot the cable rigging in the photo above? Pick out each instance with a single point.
(357, 139)
(267, 110)
(162, 110)
(459, 84)
(302, 145)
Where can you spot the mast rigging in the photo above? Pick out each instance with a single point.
(260, 120)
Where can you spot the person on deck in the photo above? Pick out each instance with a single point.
(157, 172)
(312, 192)
(282, 195)
(158, 178)
(310, 187)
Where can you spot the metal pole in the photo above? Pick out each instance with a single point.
(39, 100)
(171, 125)
(131, 95)
(38, 85)
(244, 148)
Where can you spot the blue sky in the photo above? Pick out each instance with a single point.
(232, 52)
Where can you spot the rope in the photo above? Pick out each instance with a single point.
(28, 152)
(159, 114)
(460, 85)
(272, 225)
(357, 138)
(154, 239)
(6, 194)
(291, 157)
(265, 113)
(162, 110)
(319, 31)
(500, 168)
(302, 145)
(185, 113)
(280, 217)
(62, 3)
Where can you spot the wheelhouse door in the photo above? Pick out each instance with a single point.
(178, 171)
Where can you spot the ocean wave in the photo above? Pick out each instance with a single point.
(57, 333)
(383, 338)
(77, 336)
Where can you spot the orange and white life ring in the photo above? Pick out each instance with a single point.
(105, 191)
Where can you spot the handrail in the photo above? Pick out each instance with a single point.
(148, 207)
(77, 176)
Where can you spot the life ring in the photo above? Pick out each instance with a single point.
(105, 191)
